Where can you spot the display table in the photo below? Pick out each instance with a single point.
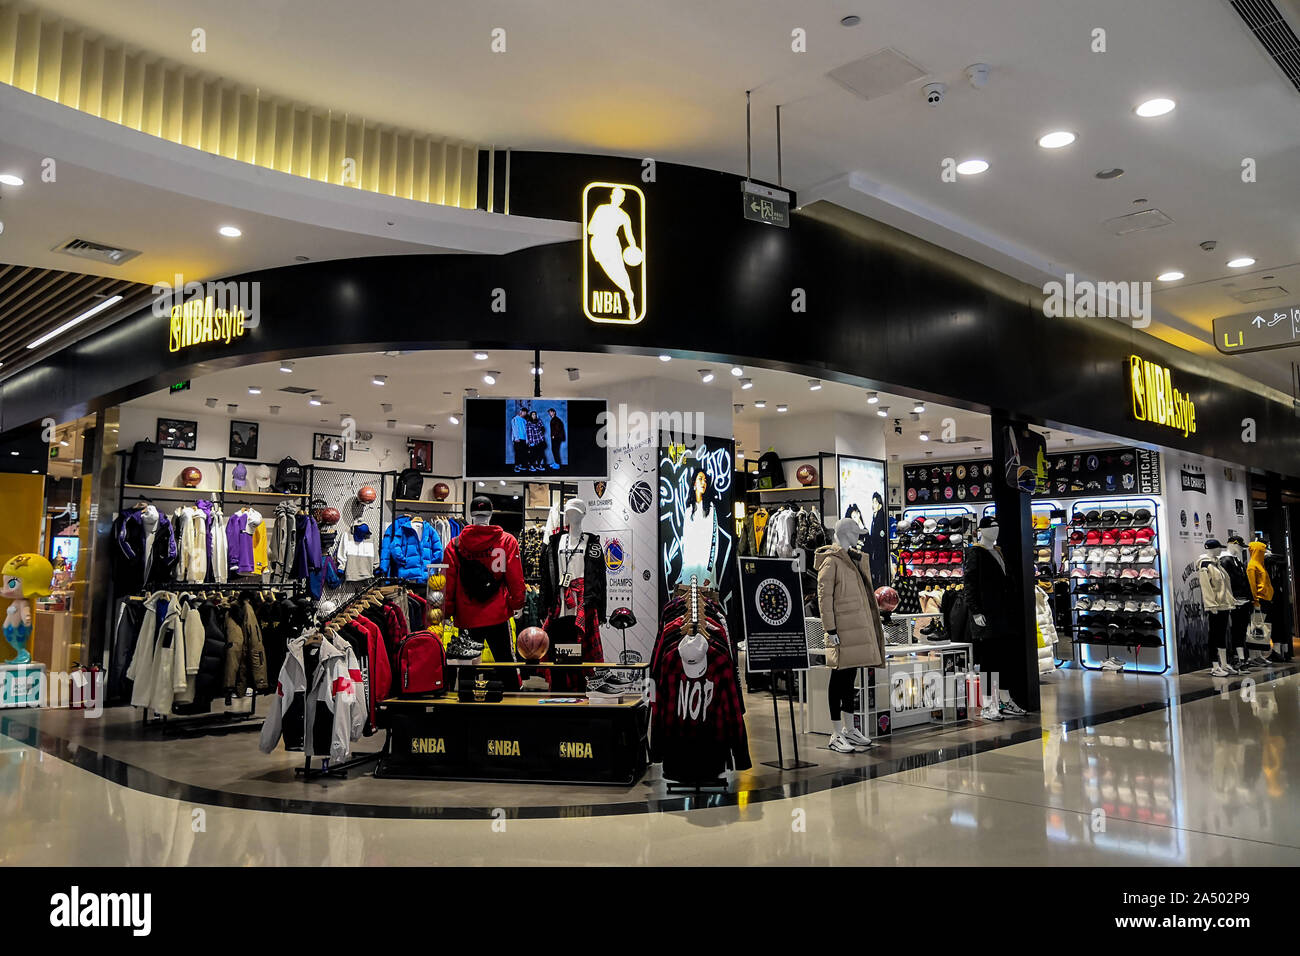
(528, 738)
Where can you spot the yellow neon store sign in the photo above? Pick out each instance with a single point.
(199, 320)
(614, 258)
(1155, 399)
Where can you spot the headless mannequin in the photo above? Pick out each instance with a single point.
(987, 538)
(840, 690)
(1212, 554)
(150, 522)
(1239, 623)
(480, 518)
(571, 541)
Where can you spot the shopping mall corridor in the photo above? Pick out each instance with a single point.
(1212, 781)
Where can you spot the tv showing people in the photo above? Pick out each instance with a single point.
(535, 439)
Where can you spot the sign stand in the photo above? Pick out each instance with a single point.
(779, 763)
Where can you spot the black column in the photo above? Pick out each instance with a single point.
(1275, 531)
(1019, 676)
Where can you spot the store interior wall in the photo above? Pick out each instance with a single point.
(840, 433)
(24, 500)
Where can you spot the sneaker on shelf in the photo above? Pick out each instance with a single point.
(1275, 658)
(1112, 664)
(856, 737)
(1010, 708)
(1219, 670)
(840, 745)
(990, 712)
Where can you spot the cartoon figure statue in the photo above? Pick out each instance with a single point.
(24, 576)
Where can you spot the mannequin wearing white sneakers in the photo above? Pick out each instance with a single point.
(987, 595)
(843, 576)
(1218, 602)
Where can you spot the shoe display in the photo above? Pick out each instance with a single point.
(989, 712)
(1011, 709)
(857, 739)
(1218, 670)
(1112, 664)
(840, 745)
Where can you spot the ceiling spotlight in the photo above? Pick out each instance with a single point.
(929, 454)
(783, 408)
(706, 375)
(536, 369)
(873, 398)
(1240, 262)
(232, 408)
(392, 423)
(852, 20)
(915, 417)
(978, 449)
(210, 402)
(386, 407)
(814, 385)
(924, 436)
(275, 409)
(1171, 276)
(760, 403)
(665, 358)
(1156, 107)
(516, 497)
(883, 411)
(1068, 441)
(737, 371)
(429, 427)
(343, 419)
(471, 393)
(490, 378)
(746, 383)
(1113, 173)
(64, 443)
(254, 390)
(454, 418)
(573, 374)
(481, 356)
(379, 380)
(480, 484)
(286, 367)
(230, 232)
(972, 167)
(737, 408)
(919, 407)
(1056, 139)
(9, 179)
(315, 400)
(502, 481)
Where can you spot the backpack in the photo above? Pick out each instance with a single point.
(288, 477)
(477, 581)
(146, 463)
(409, 484)
(419, 664)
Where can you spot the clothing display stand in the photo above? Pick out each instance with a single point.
(779, 763)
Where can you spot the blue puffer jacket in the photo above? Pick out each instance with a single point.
(406, 553)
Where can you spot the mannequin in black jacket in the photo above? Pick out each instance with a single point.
(988, 605)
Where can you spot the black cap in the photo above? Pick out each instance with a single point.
(480, 504)
(1212, 543)
(988, 522)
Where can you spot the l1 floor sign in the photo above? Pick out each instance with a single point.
(773, 604)
(1277, 328)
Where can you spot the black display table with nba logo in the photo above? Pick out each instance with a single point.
(526, 738)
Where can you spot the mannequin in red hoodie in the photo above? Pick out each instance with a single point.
(480, 600)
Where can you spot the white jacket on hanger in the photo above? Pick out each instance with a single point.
(191, 544)
(1046, 630)
(331, 687)
(158, 664)
(1216, 587)
(358, 557)
(220, 549)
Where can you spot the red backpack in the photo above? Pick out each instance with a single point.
(419, 664)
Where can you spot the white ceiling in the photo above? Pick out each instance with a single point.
(667, 80)
(425, 387)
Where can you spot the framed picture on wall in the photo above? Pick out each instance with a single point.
(421, 454)
(243, 439)
(328, 448)
(178, 433)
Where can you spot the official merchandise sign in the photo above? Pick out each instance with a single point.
(772, 600)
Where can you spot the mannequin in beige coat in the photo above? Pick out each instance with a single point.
(855, 636)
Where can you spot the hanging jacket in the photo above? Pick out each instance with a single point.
(498, 551)
(407, 553)
(1216, 589)
(593, 576)
(129, 542)
(219, 556)
(283, 541)
(358, 555)
(307, 553)
(158, 666)
(192, 636)
(245, 653)
(211, 666)
(313, 703)
(190, 527)
(1261, 585)
(847, 602)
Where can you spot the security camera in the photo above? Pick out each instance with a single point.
(934, 93)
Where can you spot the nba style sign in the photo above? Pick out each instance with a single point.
(613, 253)
(1155, 399)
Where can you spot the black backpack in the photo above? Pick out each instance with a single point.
(476, 579)
(288, 477)
(410, 483)
(146, 464)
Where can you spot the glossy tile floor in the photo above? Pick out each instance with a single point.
(1211, 781)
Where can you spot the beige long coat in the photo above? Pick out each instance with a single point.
(847, 603)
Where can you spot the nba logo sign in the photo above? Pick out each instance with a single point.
(613, 253)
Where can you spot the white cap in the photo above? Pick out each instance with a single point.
(262, 478)
(1147, 555)
(694, 651)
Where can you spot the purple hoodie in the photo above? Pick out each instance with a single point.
(206, 507)
(239, 544)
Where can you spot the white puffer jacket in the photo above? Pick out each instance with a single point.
(1046, 632)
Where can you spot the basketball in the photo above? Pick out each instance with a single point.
(806, 475)
(441, 491)
(532, 644)
(633, 256)
(327, 517)
(191, 477)
(366, 494)
(887, 598)
(640, 497)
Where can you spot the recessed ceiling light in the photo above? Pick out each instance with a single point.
(315, 400)
(1113, 173)
(230, 232)
(94, 310)
(379, 380)
(873, 398)
(1240, 262)
(14, 453)
(301, 259)
(386, 407)
(1156, 107)
(502, 480)
(783, 408)
(814, 385)
(536, 369)
(972, 167)
(481, 356)
(490, 378)
(737, 371)
(573, 374)
(760, 403)
(286, 367)
(64, 443)
(665, 358)
(275, 409)
(454, 419)
(924, 436)
(1056, 139)
(706, 375)
(1171, 276)
(919, 407)
(852, 20)
(254, 390)
(9, 179)
(883, 411)
(746, 383)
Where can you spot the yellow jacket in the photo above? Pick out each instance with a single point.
(1261, 588)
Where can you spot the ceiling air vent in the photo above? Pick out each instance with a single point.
(1138, 222)
(98, 251)
(297, 390)
(1275, 34)
(1259, 295)
(876, 75)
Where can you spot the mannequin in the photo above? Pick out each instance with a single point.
(988, 596)
(1239, 622)
(573, 594)
(854, 635)
(1216, 598)
(1261, 593)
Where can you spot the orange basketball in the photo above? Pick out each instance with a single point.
(366, 494)
(191, 477)
(441, 491)
(532, 644)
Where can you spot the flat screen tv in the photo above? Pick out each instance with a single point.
(534, 439)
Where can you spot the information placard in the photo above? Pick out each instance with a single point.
(772, 598)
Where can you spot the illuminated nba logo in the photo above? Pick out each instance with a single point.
(613, 253)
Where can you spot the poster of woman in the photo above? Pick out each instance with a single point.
(862, 496)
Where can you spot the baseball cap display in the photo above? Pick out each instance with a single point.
(262, 478)
(239, 477)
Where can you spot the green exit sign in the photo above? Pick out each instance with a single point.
(181, 386)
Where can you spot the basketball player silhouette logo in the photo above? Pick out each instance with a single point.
(614, 253)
